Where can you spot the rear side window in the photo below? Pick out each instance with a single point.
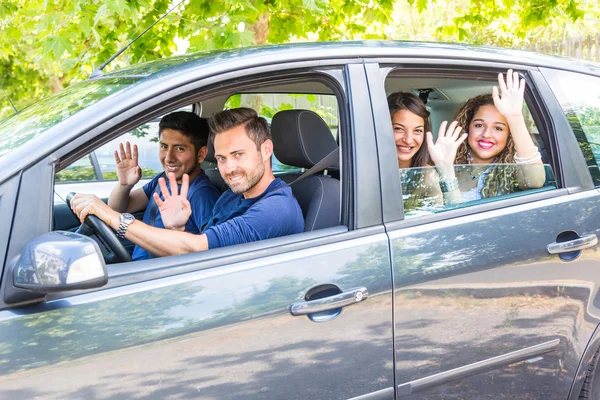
(268, 104)
(579, 97)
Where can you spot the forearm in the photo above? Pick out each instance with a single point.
(524, 145)
(449, 185)
(119, 198)
(531, 176)
(161, 242)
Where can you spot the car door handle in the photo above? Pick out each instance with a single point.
(573, 245)
(339, 300)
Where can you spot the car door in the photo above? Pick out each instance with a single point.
(218, 325)
(481, 308)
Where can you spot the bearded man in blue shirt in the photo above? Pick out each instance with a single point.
(257, 206)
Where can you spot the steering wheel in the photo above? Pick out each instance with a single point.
(93, 224)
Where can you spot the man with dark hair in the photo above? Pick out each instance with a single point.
(183, 138)
(258, 206)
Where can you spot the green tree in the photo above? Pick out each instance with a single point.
(48, 44)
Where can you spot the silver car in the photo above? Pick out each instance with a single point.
(378, 299)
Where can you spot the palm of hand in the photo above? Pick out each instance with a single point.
(128, 172)
(509, 103)
(175, 211)
(443, 152)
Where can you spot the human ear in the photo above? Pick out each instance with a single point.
(266, 149)
(202, 154)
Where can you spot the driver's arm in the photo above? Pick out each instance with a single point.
(163, 242)
(160, 242)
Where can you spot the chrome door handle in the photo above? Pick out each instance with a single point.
(573, 245)
(343, 299)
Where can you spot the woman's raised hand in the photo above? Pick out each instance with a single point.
(443, 152)
(509, 101)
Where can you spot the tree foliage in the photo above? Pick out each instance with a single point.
(48, 44)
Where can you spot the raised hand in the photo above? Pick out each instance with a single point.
(510, 101)
(443, 152)
(175, 210)
(128, 171)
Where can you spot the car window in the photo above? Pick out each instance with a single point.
(579, 97)
(80, 170)
(422, 192)
(268, 104)
(443, 97)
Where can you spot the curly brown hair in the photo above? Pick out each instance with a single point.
(500, 180)
(399, 101)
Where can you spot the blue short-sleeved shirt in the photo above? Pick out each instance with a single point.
(238, 220)
(202, 196)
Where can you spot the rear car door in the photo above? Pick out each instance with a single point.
(215, 325)
(481, 308)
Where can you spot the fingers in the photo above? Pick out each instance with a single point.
(122, 151)
(454, 130)
(522, 86)
(135, 154)
(495, 96)
(515, 81)
(501, 83)
(185, 184)
(429, 138)
(163, 188)
(461, 139)
(173, 184)
(128, 150)
(442, 131)
(157, 199)
(117, 158)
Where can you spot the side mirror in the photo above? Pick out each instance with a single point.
(59, 261)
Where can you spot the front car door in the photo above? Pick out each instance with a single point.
(481, 309)
(212, 325)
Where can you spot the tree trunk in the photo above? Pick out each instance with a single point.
(261, 29)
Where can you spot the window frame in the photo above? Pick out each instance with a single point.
(460, 69)
(336, 75)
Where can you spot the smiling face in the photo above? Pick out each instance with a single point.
(177, 154)
(243, 166)
(488, 134)
(409, 133)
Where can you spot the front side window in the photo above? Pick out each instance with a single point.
(579, 97)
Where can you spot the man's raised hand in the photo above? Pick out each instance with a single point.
(128, 171)
(175, 210)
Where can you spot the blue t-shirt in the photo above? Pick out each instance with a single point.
(238, 220)
(202, 196)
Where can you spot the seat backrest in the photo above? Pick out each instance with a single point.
(301, 139)
(211, 169)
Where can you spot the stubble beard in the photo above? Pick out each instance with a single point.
(250, 180)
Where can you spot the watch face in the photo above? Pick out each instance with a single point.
(128, 218)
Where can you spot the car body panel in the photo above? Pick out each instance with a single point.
(217, 333)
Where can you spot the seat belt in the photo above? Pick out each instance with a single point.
(325, 162)
(154, 210)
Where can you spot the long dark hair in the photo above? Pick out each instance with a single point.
(399, 101)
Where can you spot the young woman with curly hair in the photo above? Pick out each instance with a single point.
(496, 135)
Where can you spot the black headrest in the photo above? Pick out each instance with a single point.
(301, 138)
(210, 156)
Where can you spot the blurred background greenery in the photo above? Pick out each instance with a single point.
(48, 44)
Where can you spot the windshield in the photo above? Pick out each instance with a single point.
(37, 118)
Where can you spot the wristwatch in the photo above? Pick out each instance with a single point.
(125, 220)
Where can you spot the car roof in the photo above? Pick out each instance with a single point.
(355, 49)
